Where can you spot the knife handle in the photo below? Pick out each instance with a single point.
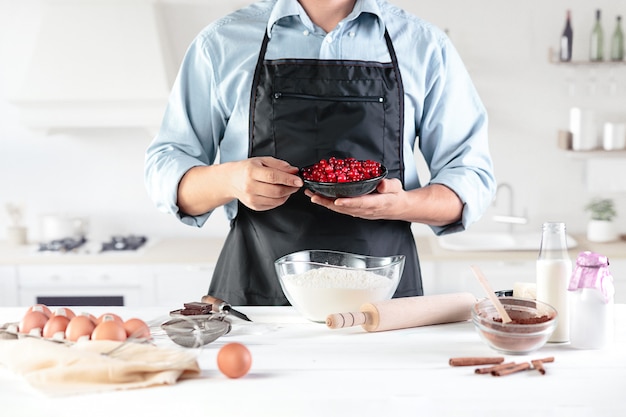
(217, 304)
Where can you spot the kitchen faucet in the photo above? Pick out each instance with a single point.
(510, 218)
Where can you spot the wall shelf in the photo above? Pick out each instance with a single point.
(607, 63)
(596, 154)
(589, 64)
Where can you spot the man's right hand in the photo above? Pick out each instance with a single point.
(260, 183)
(263, 183)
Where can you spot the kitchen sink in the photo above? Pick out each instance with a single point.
(495, 241)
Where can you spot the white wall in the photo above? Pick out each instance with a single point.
(504, 44)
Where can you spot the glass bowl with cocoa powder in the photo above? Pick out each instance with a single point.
(532, 324)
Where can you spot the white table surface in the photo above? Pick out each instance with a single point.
(302, 368)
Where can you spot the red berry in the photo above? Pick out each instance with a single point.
(342, 170)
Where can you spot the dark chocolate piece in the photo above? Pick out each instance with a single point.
(196, 305)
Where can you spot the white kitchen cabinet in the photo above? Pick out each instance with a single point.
(86, 284)
(132, 285)
(456, 276)
(8, 286)
(177, 284)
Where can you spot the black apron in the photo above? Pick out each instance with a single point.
(303, 110)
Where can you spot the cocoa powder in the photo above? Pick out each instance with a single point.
(516, 342)
(527, 320)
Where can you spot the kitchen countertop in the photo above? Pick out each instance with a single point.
(302, 368)
(431, 250)
(171, 250)
(206, 250)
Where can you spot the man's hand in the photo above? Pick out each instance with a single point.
(434, 204)
(263, 183)
(260, 183)
(381, 204)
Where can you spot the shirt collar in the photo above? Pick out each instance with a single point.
(286, 8)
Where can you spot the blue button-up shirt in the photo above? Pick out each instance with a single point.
(209, 104)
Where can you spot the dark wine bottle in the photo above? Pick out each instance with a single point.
(617, 42)
(567, 38)
(596, 48)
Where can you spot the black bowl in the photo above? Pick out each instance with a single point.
(344, 189)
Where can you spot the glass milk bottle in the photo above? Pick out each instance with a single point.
(591, 302)
(554, 269)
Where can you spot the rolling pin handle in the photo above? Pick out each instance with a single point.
(340, 320)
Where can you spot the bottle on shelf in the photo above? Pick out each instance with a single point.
(554, 269)
(617, 42)
(565, 53)
(596, 47)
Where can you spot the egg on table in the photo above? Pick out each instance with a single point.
(234, 360)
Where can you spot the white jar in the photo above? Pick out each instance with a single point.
(583, 127)
(614, 136)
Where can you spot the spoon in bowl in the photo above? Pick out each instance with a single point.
(492, 295)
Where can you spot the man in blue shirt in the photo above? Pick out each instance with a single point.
(282, 84)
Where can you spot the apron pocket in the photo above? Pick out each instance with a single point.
(313, 121)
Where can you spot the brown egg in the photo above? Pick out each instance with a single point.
(80, 326)
(56, 324)
(234, 360)
(64, 311)
(109, 330)
(40, 307)
(137, 328)
(33, 320)
(109, 316)
(93, 318)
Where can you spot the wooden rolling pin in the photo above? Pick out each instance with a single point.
(402, 313)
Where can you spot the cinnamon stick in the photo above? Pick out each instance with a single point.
(490, 369)
(473, 361)
(538, 364)
(546, 360)
(511, 370)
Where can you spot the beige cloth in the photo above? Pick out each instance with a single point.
(60, 369)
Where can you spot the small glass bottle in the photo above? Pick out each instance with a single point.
(617, 42)
(554, 269)
(565, 54)
(592, 302)
(596, 47)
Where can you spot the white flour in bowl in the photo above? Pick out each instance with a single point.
(323, 291)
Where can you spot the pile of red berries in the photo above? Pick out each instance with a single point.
(342, 170)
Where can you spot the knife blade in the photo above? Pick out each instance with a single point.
(220, 305)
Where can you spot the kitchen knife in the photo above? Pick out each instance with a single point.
(221, 305)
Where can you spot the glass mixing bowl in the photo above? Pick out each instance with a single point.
(533, 323)
(322, 282)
